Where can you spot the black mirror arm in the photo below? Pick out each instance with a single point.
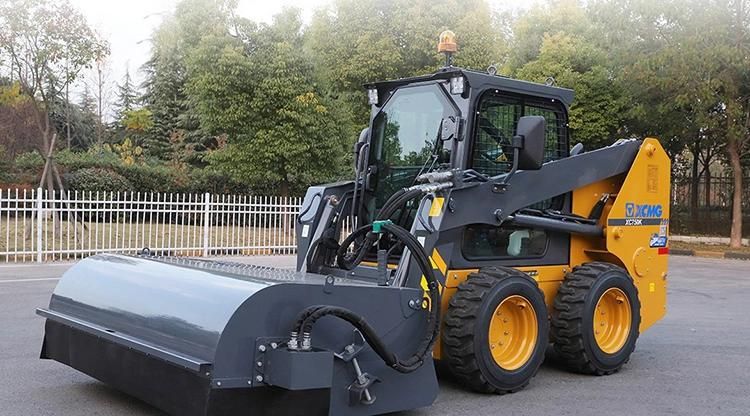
(357, 170)
(517, 145)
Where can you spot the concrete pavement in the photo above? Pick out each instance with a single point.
(695, 361)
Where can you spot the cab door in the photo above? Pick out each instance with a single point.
(495, 124)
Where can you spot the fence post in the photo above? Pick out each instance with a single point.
(39, 217)
(206, 223)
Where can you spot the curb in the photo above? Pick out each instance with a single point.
(706, 239)
(711, 254)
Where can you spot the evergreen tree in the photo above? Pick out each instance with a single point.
(84, 120)
(87, 102)
(127, 96)
(166, 74)
(163, 96)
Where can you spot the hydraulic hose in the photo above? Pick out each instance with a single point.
(396, 201)
(395, 196)
(349, 261)
(311, 315)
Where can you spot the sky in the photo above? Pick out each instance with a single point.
(128, 24)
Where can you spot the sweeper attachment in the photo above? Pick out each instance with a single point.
(203, 338)
(480, 238)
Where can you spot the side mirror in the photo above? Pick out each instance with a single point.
(529, 139)
(359, 145)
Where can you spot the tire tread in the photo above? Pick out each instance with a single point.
(460, 321)
(567, 330)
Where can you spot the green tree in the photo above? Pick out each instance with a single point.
(725, 31)
(48, 44)
(163, 90)
(281, 134)
(596, 115)
(166, 70)
(555, 42)
(547, 18)
(127, 97)
(87, 102)
(354, 42)
(688, 75)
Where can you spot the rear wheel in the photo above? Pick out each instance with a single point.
(596, 318)
(496, 330)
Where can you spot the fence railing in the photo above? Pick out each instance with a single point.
(706, 206)
(36, 225)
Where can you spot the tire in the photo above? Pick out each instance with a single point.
(476, 311)
(573, 319)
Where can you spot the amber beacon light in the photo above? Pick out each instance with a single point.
(448, 46)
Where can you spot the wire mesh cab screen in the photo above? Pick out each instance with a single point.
(496, 119)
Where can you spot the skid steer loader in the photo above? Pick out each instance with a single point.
(472, 235)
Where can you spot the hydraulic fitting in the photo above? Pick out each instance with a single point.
(293, 343)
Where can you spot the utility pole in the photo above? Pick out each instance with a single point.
(99, 99)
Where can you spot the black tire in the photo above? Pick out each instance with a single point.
(466, 330)
(573, 314)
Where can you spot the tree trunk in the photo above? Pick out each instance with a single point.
(694, 181)
(707, 189)
(284, 189)
(100, 88)
(67, 113)
(735, 235)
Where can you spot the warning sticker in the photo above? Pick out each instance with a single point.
(652, 180)
(660, 240)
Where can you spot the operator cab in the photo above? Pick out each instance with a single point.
(457, 118)
(452, 119)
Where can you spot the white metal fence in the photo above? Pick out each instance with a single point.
(37, 225)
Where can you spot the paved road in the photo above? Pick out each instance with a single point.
(696, 361)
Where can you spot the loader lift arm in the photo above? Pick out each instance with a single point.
(494, 201)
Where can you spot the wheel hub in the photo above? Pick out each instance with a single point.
(612, 320)
(513, 332)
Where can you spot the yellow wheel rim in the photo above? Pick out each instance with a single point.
(612, 320)
(513, 332)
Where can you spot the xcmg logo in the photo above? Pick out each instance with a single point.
(633, 210)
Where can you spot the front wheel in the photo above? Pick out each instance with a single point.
(496, 330)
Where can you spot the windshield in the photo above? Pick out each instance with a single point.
(406, 138)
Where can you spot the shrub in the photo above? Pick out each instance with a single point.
(209, 180)
(96, 157)
(29, 161)
(148, 178)
(98, 179)
(4, 164)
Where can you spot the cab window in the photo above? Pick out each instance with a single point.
(406, 138)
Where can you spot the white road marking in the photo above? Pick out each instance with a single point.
(41, 279)
(28, 265)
